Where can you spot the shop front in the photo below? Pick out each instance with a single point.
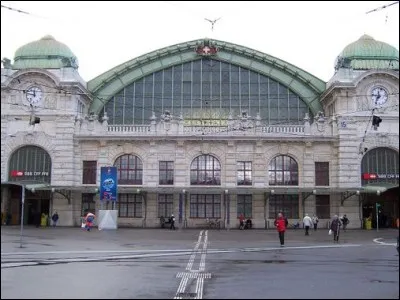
(380, 176)
(29, 168)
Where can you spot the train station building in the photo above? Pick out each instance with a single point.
(204, 129)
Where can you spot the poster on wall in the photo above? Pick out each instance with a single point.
(108, 184)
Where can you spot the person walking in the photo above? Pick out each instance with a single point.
(307, 223)
(345, 221)
(54, 218)
(335, 227)
(172, 222)
(89, 221)
(241, 222)
(281, 227)
(315, 222)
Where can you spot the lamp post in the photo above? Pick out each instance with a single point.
(226, 209)
(22, 214)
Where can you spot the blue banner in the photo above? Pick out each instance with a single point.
(108, 184)
(181, 196)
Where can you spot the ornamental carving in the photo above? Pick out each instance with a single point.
(207, 48)
(50, 102)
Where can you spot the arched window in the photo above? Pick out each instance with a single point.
(206, 92)
(380, 165)
(30, 164)
(205, 170)
(283, 170)
(130, 169)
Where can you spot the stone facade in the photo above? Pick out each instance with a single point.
(71, 135)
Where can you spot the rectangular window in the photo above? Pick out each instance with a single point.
(89, 172)
(165, 205)
(205, 206)
(244, 173)
(244, 205)
(88, 203)
(323, 206)
(129, 205)
(322, 173)
(287, 204)
(166, 169)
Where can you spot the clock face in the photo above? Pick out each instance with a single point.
(34, 95)
(379, 96)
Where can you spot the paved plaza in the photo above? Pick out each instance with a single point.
(197, 263)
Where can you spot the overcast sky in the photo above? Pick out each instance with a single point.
(105, 34)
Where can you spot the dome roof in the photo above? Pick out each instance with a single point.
(46, 53)
(367, 53)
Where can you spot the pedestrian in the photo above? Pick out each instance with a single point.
(241, 222)
(307, 223)
(89, 221)
(345, 221)
(335, 227)
(172, 220)
(315, 221)
(54, 218)
(281, 227)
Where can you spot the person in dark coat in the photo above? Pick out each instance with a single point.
(172, 220)
(335, 227)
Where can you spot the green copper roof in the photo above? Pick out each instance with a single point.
(306, 85)
(46, 53)
(367, 53)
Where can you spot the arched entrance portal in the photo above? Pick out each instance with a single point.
(28, 165)
(380, 172)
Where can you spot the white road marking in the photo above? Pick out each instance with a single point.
(95, 251)
(193, 256)
(195, 274)
(377, 240)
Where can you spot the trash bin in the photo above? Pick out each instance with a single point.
(43, 220)
(368, 224)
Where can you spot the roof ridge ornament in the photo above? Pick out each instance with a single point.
(206, 48)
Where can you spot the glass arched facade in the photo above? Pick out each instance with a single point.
(205, 170)
(206, 92)
(283, 170)
(30, 164)
(129, 169)
(380, 165)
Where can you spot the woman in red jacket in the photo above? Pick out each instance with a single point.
(281, 227)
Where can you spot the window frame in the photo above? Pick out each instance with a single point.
(134, 205)
(202, 166)
(290, 210)
(326, 206)
(88, 203)
(165, 205)
(89, 171)
(204, 201)
(278, 171)
(125, 172)
(245, 200)
(169, 172)
(321, 173)
(244, 170)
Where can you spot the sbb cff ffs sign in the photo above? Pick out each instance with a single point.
(371, 176)
(15, 173)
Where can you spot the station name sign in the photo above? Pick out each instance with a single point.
(371, 176)
(15, 173)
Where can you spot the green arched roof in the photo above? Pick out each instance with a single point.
(46, 53)
(307, 86)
